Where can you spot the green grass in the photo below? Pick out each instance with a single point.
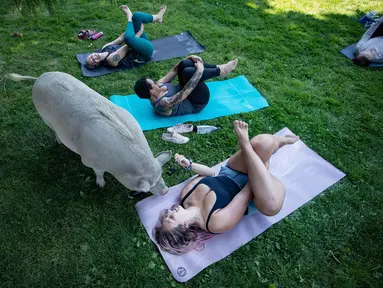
(59, 230)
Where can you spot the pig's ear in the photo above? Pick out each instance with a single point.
(143, 186)
(164, 157)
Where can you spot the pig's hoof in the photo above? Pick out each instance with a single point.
(100, 182)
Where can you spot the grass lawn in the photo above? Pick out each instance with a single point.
(58, 229)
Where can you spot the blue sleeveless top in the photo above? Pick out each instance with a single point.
(225, 190)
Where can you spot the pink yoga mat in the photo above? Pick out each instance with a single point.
(303, 172)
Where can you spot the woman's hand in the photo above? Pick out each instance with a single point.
(141, 31)
(199, 65)
(181, 160)
(195, 58)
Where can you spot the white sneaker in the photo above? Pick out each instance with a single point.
(181, 128)
(175, 138)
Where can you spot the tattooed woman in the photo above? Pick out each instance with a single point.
(191, 95)
(136, 47)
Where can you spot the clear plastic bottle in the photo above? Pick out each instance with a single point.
(204, 129)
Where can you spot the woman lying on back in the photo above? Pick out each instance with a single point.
(215, 204)
(133, 46)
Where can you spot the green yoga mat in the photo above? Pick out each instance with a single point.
(227, 97)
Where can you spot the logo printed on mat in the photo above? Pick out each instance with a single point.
(181, 271)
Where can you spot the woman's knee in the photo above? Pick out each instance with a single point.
(262, 139)
(187, 73)
(136, 16)
(263, 144)
(271, 208)
(185, 64)
(273, 204)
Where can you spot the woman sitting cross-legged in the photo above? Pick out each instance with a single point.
(131, 47)
(215, 204)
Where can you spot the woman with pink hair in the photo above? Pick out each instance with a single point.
(215, 204)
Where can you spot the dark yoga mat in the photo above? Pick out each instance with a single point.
(349, 53)
(164, 48)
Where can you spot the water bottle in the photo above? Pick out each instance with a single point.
(96, 36)
(368, 17)
(204, 129)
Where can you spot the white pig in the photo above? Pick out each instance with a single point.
(106, 136)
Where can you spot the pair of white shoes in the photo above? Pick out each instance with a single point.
(174, 135)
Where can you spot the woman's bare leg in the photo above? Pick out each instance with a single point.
(264, 145)
(268, 191)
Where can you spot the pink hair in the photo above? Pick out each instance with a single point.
(180, 239)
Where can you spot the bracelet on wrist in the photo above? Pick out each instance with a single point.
(188, 168)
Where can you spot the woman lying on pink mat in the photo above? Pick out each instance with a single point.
(215, 204)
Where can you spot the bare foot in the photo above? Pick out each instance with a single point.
(227, 68)
(160, 14)
(126, 10)
(288, 139)
(242, 132)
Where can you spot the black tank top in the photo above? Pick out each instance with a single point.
(224, 188)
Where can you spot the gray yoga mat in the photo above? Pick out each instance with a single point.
(349, 53)
(164, 48)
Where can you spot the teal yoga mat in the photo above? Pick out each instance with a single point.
(227, 97)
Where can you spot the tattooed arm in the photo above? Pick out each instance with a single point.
(166, 104)
(115, 57)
